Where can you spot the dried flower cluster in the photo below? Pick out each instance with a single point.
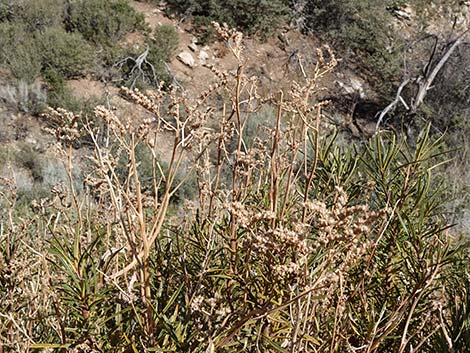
(65, 125)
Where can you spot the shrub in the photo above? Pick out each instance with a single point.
(102, 21)
(58, 94)
(37, 14)
(19, 52)
(68, 54)
(26, 54)
(261, 17)
(164, 43)
(146, 173)
(363, 28)
(35, 173)
(44, 169)
(23, 97)
(309, 247)
(448, 103)
(162, 47)
(61, 96)
(5, 10)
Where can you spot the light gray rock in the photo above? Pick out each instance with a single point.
(187, 59)
(203, 56)
(402, 15)
(355, 86)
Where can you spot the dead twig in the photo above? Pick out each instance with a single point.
(137, 70)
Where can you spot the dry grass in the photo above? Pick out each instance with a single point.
(291, 244)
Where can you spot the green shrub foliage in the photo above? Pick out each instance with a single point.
(164, 42)
(260, 17)
(66, 53)
(102, 21)
(39, 14)
(147, 66)
(60, 40)
(5, 10)
(19, 52)
(364, 29)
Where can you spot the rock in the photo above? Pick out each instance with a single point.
(403, 13)
(187, 59)
(203, 56)
(355, 87)
(31, 141)
(193, 46)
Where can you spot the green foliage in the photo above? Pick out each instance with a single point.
(59, 95)
(34, 42)
(5, 10)
(19, 52)
(103, 21)
(82, 289)
(306, 245)
(50, 35)
(30, 159)
(162, 47)
(205, 298)
(23, 97)
(36, 14)
(68, 54)
(146, 172)
(456, 321)
(364, 29)
(164, 43)
(27, 54)
(447, 105)
(54, 53)
(309, 245)
(146, 165)
(38, 173)
(261, 17)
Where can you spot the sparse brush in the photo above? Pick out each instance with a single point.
(292, 244)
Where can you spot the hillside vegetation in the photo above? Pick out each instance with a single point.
(247, 215)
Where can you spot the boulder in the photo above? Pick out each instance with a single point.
(354, 87)
(404, 13)
(203, 56)
(193, 46)
(187, 59)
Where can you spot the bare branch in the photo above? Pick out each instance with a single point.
(398, 99)
(139, 62)
(425, 84)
